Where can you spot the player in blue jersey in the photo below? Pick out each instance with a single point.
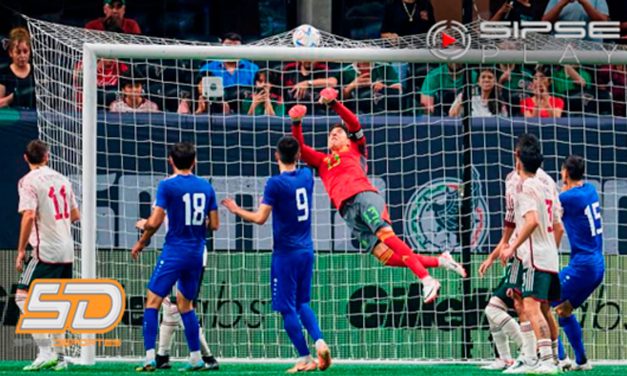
(288, 197)
(190, 204)
(584, 273)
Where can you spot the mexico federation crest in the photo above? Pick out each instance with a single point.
(432, 215)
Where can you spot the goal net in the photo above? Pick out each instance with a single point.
(430, 126)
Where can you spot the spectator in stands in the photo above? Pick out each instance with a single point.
(484, 104)
(368, 87)
(299, 81)
(114, 11)
(132, 99)
(513, 81)
(17, 83)
(238, 76)
(541, 103)
(407, 17)
(577, 10)
(263, 100)
(517, 10)
(613, 79)
(441, 86)
(572, 84)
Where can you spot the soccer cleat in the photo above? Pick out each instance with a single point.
(163, 362)
(545, 368)
(430, 288)
(211, 363)
(306, 366)
(522, 365)
(61, 365)
(587, 366)
(194, 366)
(42, 362)
(498, 365)
(448, 262)
(565, 364)
(148, 366)
(324, 357)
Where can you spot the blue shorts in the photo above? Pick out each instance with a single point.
(290, 280)
(578, 283)
(168, 271)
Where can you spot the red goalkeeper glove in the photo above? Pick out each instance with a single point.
(328, 95)
(297, 112)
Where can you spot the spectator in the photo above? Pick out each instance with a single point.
(541, 103)
(577, 10)
(114, 11)
(613, 78)
(299, 80)
(407, 17)
(572, 84)
(517, 10)
(370, 87)
(238, 76)
(17, 83)
(132, 98)
(263, 100)
(487, 103)
(513, 81)
(441, 86)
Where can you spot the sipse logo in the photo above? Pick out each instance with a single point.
(92, 306)
(560, 29)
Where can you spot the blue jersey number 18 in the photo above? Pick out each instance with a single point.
(194, 208)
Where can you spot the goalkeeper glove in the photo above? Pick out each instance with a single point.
(297, 113)
(328, 95)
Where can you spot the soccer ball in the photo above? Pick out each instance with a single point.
(306, 36)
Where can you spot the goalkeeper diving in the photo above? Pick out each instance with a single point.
(343, 173)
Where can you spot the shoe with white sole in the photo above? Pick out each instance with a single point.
(545, 368)
(430, 288)
(498, 365)
(43, 361)
(565, 364)
(448, 262)
(522, 365)
(587, 366)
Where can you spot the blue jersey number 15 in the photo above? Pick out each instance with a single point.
(593, 212)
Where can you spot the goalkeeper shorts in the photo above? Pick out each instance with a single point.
(366, 213)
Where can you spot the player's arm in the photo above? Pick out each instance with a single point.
(328, 96)
(26, 226)
(213, 220)
(150, 227)
(531, 223)
(75, 213)
(259, 217)
(308, 154)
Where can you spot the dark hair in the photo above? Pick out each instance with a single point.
(575, 166)
(493, 100)
(35, 152)
(287, 147)
(183, 155)
(231, 36)
(339, 125)
(527, 139)
(529, 153)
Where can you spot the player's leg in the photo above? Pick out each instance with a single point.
(163, 278)
(167, 330)
(34, 270)
(496, 313)
(283, 287)
(553, 328)
(188, 284)
(211, 363)
(58, 340)
(306, 314)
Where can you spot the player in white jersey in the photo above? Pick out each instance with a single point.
(536, 215)
(48, 208)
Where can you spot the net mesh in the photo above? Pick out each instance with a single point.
(416, 143)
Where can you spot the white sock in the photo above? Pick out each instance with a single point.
(42, 341)
(194, 356)
(320, 343)
(545, 350)
(512, 330)
(167, 329)
(502, 345)
(528, 340)
(150, 355)
(555, 350)
(204, 347)
(58, 345)
(499, 319)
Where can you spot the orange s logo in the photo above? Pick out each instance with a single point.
(332, 161)
(92, 306)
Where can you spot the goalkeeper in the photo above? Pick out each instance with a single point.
(343, 173)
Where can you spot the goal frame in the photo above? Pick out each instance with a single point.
(94, 51)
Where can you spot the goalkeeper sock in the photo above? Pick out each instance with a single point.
(310, 322)
(575, 337)
(407, 256)
(295, 332)
(151, 323)
(192, 330)
(561, 352)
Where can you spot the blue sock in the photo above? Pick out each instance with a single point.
(575, 337)
(151, 324)
(192, 329)
(310, 322)
(561, 352)
(295, 332)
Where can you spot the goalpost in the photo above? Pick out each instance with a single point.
(417, 160)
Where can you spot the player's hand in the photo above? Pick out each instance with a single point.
(140, 224)
(297, 112)
(300, 90)
(328, 95)
(19, 261)
(137, 248)
(506, 253)
(483, 268)
(230, 204)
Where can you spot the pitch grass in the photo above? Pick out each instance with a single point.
(228, 369)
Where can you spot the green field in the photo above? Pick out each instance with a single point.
(120, 369)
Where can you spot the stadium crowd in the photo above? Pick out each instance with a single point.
(267, 88)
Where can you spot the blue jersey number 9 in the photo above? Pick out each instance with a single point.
(593, 212)
(194, 208)
(302, 204)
